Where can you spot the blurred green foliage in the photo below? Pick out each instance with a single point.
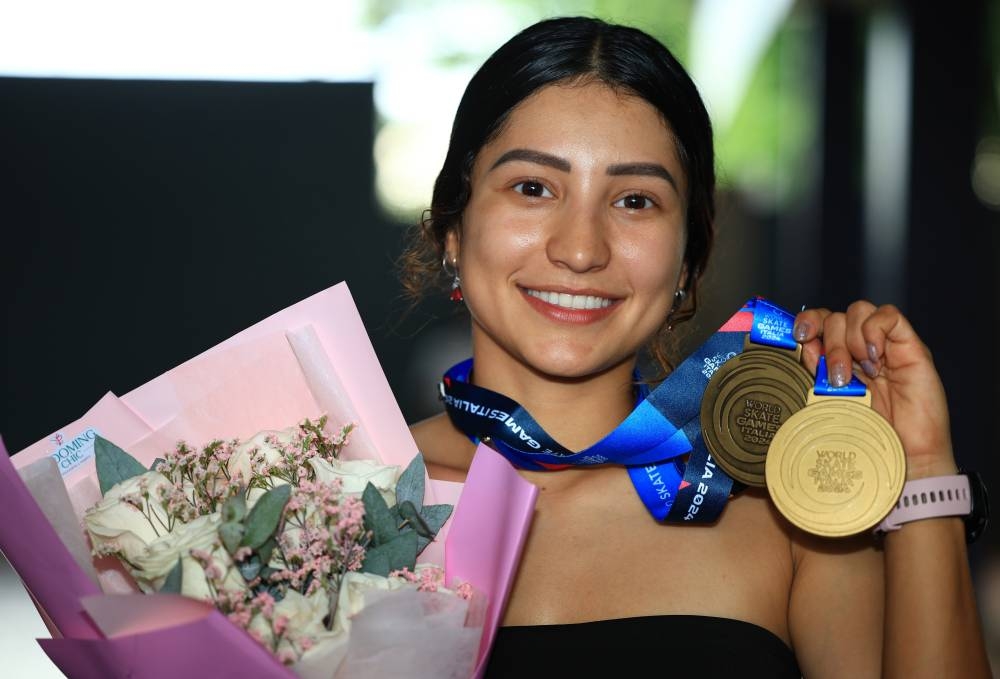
(765, 151)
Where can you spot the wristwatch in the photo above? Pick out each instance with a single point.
(963, 495)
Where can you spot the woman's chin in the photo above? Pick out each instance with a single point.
(575, 365)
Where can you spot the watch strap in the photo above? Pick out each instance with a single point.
(930, 498)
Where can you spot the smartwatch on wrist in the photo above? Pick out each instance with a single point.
(963, 495)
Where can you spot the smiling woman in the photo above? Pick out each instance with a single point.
(556, 217)
(576, 203)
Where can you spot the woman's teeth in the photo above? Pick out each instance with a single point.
(570, 301)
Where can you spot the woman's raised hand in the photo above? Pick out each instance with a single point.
(880, 346)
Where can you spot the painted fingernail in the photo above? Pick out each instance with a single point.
(869, 368)
(838, 375)
(872, 352)
(801, 330)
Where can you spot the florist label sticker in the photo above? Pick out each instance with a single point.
(70, 453)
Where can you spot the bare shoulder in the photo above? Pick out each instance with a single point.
(447, 452)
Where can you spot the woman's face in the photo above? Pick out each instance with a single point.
(572, 243)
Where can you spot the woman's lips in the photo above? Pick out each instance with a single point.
(570, 307)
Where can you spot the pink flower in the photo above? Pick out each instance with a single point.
(464, 590)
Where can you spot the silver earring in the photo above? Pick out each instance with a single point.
(451, 269)
(679, 297)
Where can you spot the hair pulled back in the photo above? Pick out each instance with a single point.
(568, 50)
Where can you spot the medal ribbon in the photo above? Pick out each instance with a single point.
(704, 488)
(823, 387)
(663, 427)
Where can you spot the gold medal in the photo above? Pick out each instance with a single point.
(836, 467)
(745, 403)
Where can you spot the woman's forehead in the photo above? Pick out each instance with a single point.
(578, 119)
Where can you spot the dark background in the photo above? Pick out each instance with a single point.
(147, 221)
(144, 222)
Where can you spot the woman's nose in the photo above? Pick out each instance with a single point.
(578, 240)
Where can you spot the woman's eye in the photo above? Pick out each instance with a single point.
(635, 201)
(532, 189)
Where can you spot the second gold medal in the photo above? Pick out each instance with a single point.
(746, 402)
(752, 394)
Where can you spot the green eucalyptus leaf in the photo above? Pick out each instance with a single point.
(376, 562)
(156, 462)
(231, 534)
(114, 465)
(234, 508)
(277, 591)
(263, 520)
(172, 585)
(410, 514)
(266, 549)
(378, 518)
(434, 517)
(250, 568)
(400, 552)
(410, 487)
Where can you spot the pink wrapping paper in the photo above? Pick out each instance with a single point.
(310, 358)
(487, 535)
(181, 645)
(46, 567)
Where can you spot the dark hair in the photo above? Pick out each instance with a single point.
(572, 49)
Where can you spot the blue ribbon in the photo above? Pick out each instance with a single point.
(652, 441)
(823, 387)
(772, 326)
(704, 488)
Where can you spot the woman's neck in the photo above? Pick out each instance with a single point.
(576, 412)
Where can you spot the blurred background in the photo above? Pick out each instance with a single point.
(171, 173)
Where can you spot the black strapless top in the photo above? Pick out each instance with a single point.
(652, 646)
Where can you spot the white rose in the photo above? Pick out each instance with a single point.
(257, 492)
(305, 614)
(356, 474)
(114, 523)
(305, 618)
(323, 659)
(353, 588)
(160, 557)
(257, 448)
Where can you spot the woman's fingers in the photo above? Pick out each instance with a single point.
(855, 340)
(858, 314)
(838, 355)
(808, 331)
(890, 339)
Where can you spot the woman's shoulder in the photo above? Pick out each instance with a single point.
(447, 452)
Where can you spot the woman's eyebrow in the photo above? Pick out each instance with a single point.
(644, 169)
(538, 157)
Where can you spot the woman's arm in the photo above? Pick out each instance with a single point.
(931, 623)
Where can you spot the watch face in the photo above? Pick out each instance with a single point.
(979, 518)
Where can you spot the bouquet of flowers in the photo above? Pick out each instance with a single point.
(281, 536)
(305, 547)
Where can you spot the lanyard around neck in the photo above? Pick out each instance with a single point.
(660, 442)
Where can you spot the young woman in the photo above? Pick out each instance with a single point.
(576, 201)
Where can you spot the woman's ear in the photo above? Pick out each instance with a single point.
(682, 281)
(452, 245)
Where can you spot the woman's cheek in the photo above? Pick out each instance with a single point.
(506, 241)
